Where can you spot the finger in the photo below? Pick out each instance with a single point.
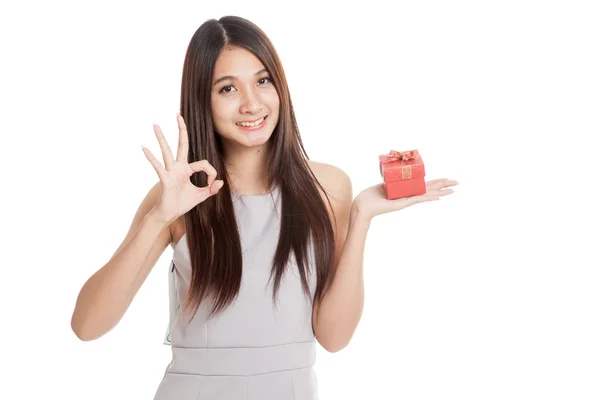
(436, 194)
(404, 202)
(155, 163)
(216, 186)
(211, 190)
(441, 183)
(205, 166)
(435, 182)
(182, 149)
(164, 147)
(429, 196)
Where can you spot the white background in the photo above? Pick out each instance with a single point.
(490, 293)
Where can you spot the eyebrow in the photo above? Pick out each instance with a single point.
(224, 78)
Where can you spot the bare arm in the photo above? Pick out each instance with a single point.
(106, 296)
(336, 317)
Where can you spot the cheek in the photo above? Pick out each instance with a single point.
(219, 117)
(273, 102)
(221, 110)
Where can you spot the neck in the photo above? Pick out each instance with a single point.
(247, 169)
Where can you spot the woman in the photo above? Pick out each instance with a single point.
(268, 246)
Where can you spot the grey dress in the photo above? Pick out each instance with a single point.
(251, 351)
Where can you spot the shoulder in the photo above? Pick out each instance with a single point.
(338, 195)
(335, 181)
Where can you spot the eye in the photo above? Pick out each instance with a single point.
(229, 88)
(223, 89)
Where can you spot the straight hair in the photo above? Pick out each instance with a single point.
(216, 253)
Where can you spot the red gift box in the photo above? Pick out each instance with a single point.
(403, 174)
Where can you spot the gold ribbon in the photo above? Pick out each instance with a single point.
(399, 155)
(406, 171)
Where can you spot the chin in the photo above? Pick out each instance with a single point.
(248, 141)
(254, 138)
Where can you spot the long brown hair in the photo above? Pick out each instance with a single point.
(216, 253)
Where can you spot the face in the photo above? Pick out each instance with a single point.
(242, 96)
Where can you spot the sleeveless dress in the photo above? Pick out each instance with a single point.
(253, 350)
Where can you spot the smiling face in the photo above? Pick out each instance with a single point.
(242, 96)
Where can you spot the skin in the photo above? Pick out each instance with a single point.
(247, 96)
(107, 294)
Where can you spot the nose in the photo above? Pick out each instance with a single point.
(251, 103)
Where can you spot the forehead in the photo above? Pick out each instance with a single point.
(237, 61)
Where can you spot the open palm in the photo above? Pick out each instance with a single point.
(372, 201)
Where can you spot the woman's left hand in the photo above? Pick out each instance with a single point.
(372, 200)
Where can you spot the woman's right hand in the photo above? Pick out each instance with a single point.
(179, 194)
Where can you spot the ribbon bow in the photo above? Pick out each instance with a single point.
(399, 155)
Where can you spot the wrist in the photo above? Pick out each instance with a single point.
(358, 215)
(158, 218)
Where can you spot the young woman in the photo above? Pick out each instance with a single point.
(268, 246)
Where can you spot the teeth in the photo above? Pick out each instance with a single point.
(251, 124)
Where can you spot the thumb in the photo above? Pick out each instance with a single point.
(215, 186)
(208, 191)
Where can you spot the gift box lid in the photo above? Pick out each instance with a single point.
(401, 165)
